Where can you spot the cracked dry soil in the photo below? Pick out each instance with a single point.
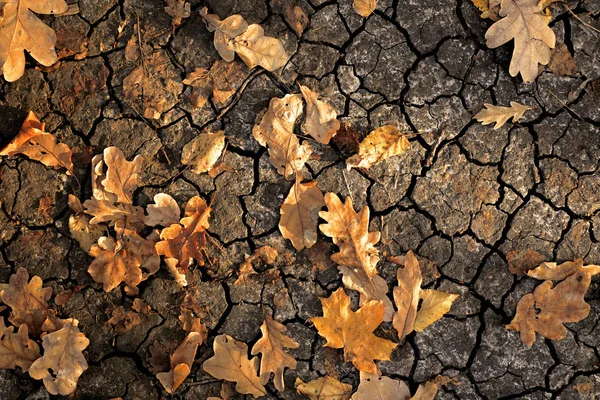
(462, 198)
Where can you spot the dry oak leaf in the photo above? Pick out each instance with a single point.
(21, 29)
(326, 388)
(381, 144)
(98, 175)
(80, 227)
(190, 323)
(276, 131)
(406, 295)
(373, 387)
(231, 363)
(122, 176)
(178, 10)
(547, 308)
(181, 362)
(164, 212)
(500, 115)
(489, 8)
(38, 145)
(114, 214)
(222, 81)
(369, 289)
(203, 151)
(364, 8)
(297, 18)
(562, 62)
(524, 22)
(433, 307)
(225, 31)
(63, 362)
(124, 320)
(272, 346)
(28, 301)
(426, 391)
(300, 213)
(349, 230)
(353, 331)
(321, 119)
(256, 49)
(16, 349)
(550, 271)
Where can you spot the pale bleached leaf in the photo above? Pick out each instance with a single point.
(500, 115)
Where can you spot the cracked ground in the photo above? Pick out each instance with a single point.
(463, 197)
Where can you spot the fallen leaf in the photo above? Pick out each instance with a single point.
(21, 29)
(374, 289)
(272, 346)
(381, 144)
(373, 387)
(489, 8)
(349, 230)
(256, 49)
(122, 176)
(105, 211)
(164, 212)
(225, 31)
(27, 299)
(191, 323)
(364, 8)
(33, 142)
(326, 388)
(321, 119)
(203, 151)
(562, 62)
(353, 331)
(63, 362)
(523, 21)
(520, 261)
(16, 349)
(426, 391)
(181, 362)
(299, 214)
(222, 81)
(276, 131)
(231, 363)
(178, 10)
(406, 295)
(80, 227)
(123, 320)
(500, 115)
(435, 304)
(265, 255)
(550, 271)
(297, 18)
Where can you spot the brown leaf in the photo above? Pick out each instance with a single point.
(426, 391)
(164, 212)
(374, 289)
(326, 388)
(272, 346)
(276, 131)
(105, 211)
(434, 305)
(406, 295)
(191, 323)
(21, 30)
(321, 119)
(381, 144)
(181, 362)
(124, 320)
(364, 8)
(122, 176)
(299, 214)
(203, 151)
(562, 62)
(265, 255)
(225, 31)
(16, 349)
(353, 331)
(520, 261)
(222, 81)
(256, 49)
(373, 387)
(231, 363)
(28, 301)
(38, 145)
(297, 18)
(63, 362)
(178, 10)
(347, 139)
(500, 115)
(524, 22)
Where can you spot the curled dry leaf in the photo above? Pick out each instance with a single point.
(326, 388)
(256, 49)
(299, 214)
(164, 212)
(550, 271)
(114, 214)
(381, 144)
(231, 363)
(276, 131)
(63, 362)
(203, 151)
(181, 362)
(353, 331)
(500, 115)
(80, 227)
(16, 349)
(178, 10)
(28, 301)
(321, 119)
(222, 81)
(523, 21)
(122, 176)
(21, 30)
(225, 31)
(272, 346)
(406, 295)
(373, 289)
(426, 391)
(435, 304)
(364, 8)
(373, 387)
(33, 142)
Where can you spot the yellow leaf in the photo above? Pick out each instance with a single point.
(203, 151)
(16, 349)
(254, 48)
(321, 119)
(406, 295)
(373, 387)
(231, 363)
(299, 214)
(381, 144)
(364, 8)
(353, 331)
(326, 388)
(426, 391)
(500, 115)
(435, 304)
(181, 362)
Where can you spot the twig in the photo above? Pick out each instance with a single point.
(582, 21)
(565, 105)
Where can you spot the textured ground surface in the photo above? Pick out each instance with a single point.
(462, 197)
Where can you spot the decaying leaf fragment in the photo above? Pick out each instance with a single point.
(321, 119)
(178, 10)
(203, 151)
(297, 18)
(548, 308)
(523, 21)
(426, 391)
(181, 362)
(231, 363)
(21, 29)
(276, 131)
(33, 142)
(27, 299)
(272, 346)
(406, 295)
(299, 214)
(353, 331)
(381, 144)
(435, 304)
(80, 227)
(500, 115)
(16, 349)
(364, 8)
(63, 362)
(222, 81)
(373, 387)
(326, 388)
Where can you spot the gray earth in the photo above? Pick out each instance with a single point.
(463, 198)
